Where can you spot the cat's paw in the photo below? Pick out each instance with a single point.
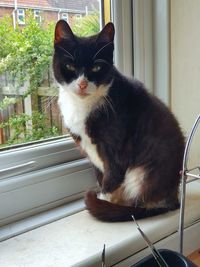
(90, 198)
(109, 186)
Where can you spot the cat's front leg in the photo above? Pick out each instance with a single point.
(99, 176)
(112, 179)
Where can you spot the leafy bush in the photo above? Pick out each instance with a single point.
(87, 25)
(26, 54)
(26, 128)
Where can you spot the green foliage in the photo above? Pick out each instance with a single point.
(6, 102)
(87, 25)
(26, 55)
(26, 128)
(26, 52)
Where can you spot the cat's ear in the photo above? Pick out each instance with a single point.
(107, 33)
(63, 31)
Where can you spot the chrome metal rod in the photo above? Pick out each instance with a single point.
(197, 176)
(183, 182)
(182, 212)
(189, 142)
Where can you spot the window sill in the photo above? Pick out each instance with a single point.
(41, 219)
(77, 240)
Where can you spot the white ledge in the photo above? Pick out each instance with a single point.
(77, 240)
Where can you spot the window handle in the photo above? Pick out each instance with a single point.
(17, 169)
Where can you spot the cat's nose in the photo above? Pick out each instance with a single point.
(83, 84)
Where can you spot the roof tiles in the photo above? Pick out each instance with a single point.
(65, 4)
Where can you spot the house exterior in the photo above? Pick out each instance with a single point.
(47, 10)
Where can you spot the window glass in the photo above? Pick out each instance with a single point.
(37, 16)
(65, 16)
(78, 16)
(21, 16)
(28, 95)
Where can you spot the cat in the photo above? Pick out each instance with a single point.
(132, 139)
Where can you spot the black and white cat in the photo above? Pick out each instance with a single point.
(132, 139)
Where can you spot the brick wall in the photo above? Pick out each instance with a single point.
(47, 16)
(5, 11)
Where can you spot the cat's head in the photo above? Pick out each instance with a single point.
(83, 64)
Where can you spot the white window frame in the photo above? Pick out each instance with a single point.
(45, 175)
(78, 16)
(65, 16)
(37, 15)
(21, 12)
(121, 12)
(151, 46)
(41, 176)
(149, 29)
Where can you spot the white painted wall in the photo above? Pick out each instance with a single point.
(185, 65)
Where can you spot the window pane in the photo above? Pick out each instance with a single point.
(28, 94)
(37, 16)
(21, 16)
(65, 16)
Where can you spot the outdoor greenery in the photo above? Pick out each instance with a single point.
(28, 128)
(25, 52)
(87, 25)
(26, 55)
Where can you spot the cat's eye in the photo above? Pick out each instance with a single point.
(70, 67)
(96, 68)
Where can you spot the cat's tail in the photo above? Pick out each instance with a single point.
(106, 211)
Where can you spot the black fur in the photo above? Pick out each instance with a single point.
(83, 51)
(134, 130)
(141, 131)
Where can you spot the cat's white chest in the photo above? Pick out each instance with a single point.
(91, 151)
(75, 111)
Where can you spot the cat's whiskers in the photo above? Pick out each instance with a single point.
(101, 49)
(76, 138)
(47, 102)
(101, 61)
(105, 106)
(68, 53)
(51, 100)
(109, 102)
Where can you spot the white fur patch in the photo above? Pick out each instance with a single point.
(75, 110)
(129, 190)
(106, 196)
(133, 182)
(91, 151)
